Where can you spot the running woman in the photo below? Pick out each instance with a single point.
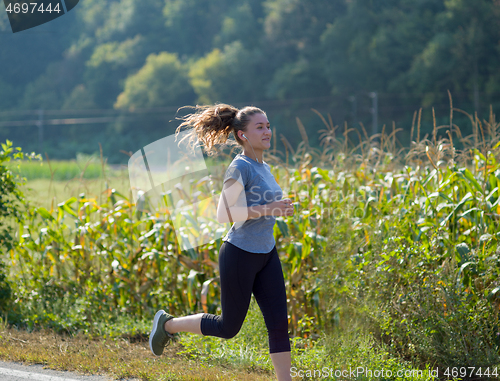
(248, 261)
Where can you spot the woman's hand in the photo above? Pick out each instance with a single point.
(281, 208)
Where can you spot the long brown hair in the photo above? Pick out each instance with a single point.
(212, 125)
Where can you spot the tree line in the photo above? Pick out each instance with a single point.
(287, 56)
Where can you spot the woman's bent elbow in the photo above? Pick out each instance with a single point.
(222, 219)
(224, 216)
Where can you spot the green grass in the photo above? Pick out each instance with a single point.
(49, 183)
(84, 166)
(121, 350)
(343, 349)
(117, 358)
(48, 193)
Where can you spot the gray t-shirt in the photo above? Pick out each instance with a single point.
(253, 235)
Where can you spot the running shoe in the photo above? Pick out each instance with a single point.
(159, 338)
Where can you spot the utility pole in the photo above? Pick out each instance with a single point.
(354, 105)
(39, 124)
(476, 87)
(374, 110)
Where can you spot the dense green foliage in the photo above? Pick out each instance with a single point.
(283, 55)
(415, 246)
(12, 207)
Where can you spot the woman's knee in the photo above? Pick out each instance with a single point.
(228, 332)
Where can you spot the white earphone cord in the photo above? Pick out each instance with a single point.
(252, 148)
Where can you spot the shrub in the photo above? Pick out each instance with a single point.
(11, 210)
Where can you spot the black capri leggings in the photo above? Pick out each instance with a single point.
(241, 274)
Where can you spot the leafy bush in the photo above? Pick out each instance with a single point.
(5, 289)
(11, 211)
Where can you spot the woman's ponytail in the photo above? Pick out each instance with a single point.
(212, 125)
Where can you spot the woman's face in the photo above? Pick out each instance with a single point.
(258, 132)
